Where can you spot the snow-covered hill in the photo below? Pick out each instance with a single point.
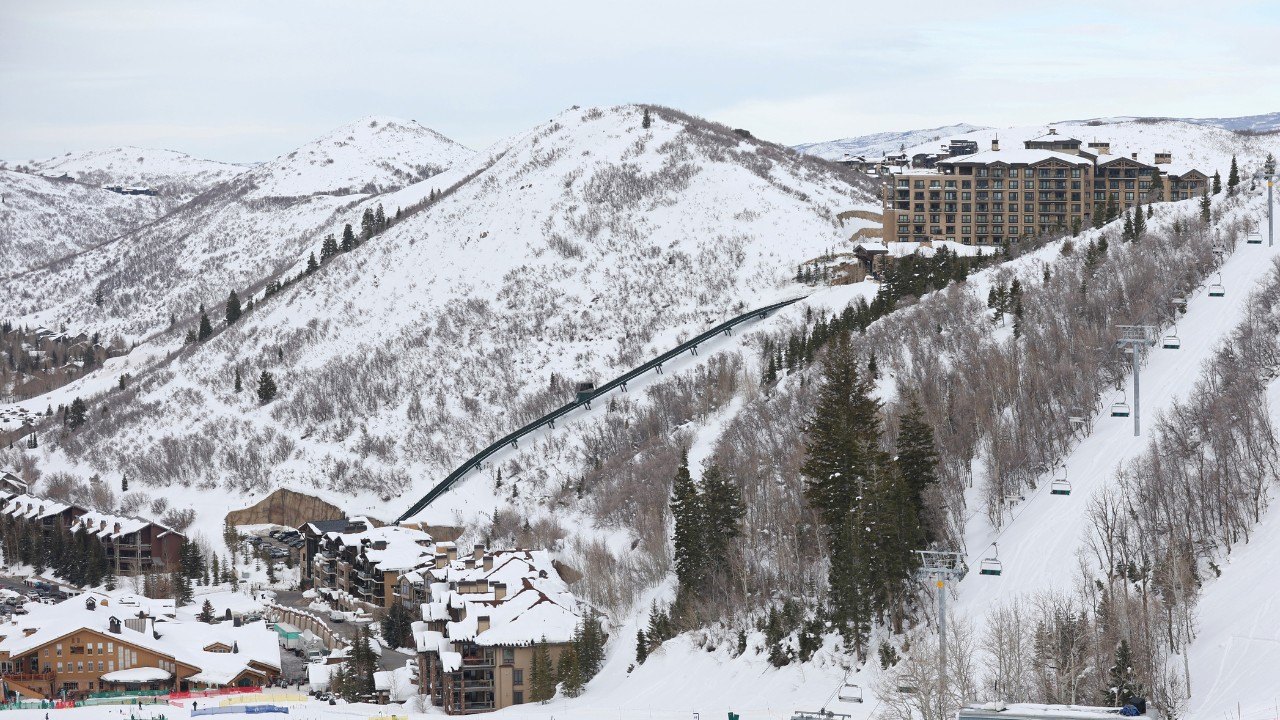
(234, 235)
(879, 144)
(575, 250)
(370, 156)
(176, 177)
(43, 220)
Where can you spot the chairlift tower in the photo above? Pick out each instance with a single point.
(939, 566)
(1269, 175)
(1132, 339)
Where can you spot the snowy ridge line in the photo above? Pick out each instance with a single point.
(620, 381)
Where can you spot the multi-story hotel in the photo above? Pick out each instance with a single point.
(997, 196)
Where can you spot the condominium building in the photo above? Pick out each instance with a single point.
(356, 564)
(132, 545)
(483, 618)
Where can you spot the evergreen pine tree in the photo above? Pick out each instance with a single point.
(569, 672)
(1121, 683)
(239, 384)
(1157, 186)
(1233, 177)
(379, 218)
(31, 441)
(77, 414)
(642, 647)
(1127, 233)
(206, 613)
(266, 387)
(233, 307)
(1139, 223)
(917, 460)
(1206, 208)
(686, 511)
(1217, 182)
(543, 673)
(312, 265)
(206, 328)
(348, 238)
(645, 121)
(328, 248)
(722, 514)
(366, 225)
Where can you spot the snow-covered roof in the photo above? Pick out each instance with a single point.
(108, 525)
(390, 547)
(535, 603)
(872, 247)
(1117, 157)
(138, 674)
(1016, 156)
(30, 507)
(184, 641)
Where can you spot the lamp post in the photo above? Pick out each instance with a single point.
(1268, 175)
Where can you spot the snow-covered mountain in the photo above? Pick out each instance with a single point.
(234, 235)
(574, 250)
(43, 220)
(879, 144)
(176, 177)
(1265, 123)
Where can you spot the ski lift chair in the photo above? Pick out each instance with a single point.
(1217, 289)
(1120, 409)
(1254, 239)
(850, 693)
(1172, 341)
(1060, 484)
(991, 565)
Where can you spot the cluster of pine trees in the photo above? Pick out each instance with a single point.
(74, 557)
(908, 276)
(354, 678)
(397, 626)
(708, 518)
(580, 661)
(871, 503)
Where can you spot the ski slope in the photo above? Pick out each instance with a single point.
(1038, 546)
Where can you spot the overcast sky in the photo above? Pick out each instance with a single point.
(244, 81)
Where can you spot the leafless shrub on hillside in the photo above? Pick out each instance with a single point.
(179, 518)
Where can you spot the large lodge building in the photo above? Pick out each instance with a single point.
(995, 196)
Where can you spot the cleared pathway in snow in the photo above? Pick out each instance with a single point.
(1038, 546)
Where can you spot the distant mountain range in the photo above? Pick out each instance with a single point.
(879, 144)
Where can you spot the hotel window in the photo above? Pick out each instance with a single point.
(80, 667)
(919, 184)
(950, 184)
(965, 219)
(111, 647)
(1028, 220)
(111, 666)
(517, 676)
(934, 184)
(57, 649)
(99, 666)
(517, 698)
(1128, 197)
(966, 196)
(964, 183)
(1013, 229)
(964, 230)
(1075, 172)
(59, 667)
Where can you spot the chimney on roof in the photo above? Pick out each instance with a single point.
(1053, 131)
(995, 143)
(440, 561)
(482, 623)
(488, 563)
(499, 590)
(452, 552)
(469, 563)
(478, 551)
(1133, 155)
